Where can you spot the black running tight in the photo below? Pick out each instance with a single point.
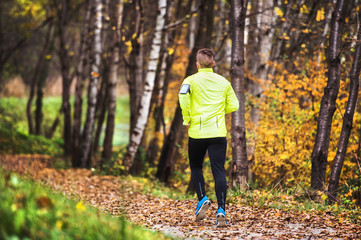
(217, 154)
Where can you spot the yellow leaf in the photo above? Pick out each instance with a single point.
(71, 53)
(347, 19)
(320, 15)
(80, 206)
(304, 9)
(170, 51)
(305, 31)
(278, 12)
(59, 224)
(129, 45)
(95, 74)
(48, 57)
(323, 197)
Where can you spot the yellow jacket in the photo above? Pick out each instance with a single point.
(204, 107)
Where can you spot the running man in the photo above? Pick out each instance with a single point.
(205, 99)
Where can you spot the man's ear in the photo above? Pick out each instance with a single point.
(197, 65)
(213, 63)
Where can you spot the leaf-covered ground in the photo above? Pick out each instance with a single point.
(176, 217)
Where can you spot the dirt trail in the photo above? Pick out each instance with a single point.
(175, 217)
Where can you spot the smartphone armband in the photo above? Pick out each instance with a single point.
(185, 89)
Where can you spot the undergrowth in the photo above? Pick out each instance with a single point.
(29, 210)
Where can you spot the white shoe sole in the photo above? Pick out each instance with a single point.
(202, 212)
(221, 220)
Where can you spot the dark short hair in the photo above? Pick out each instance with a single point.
(205, 57)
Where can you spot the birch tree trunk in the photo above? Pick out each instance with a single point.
(327, 108)
(192, 25)
(79, 88)
(111, 88)
(92, 92)
(347, 122)
(238, 132)
(156, 116)
(138, 131)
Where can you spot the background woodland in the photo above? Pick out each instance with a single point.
(94, 84)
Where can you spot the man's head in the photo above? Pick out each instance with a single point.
(205, 58)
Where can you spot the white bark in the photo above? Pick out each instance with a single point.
(92, 93)
(138, 131)
(260, 67)
(193, 25)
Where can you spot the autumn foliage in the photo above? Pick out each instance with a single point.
(284, 137)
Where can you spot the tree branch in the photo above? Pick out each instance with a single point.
(23, 40)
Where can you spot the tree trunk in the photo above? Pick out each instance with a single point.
(159, 128)
(327, 108)
(265, 43)
(101, 109)
(192, 25)
(65, 69)
(347, 123)
(138, 131)
(176, 133)
(136, 66)
(42, 82)
(257, 64)
(85, 159)
(167, 160)
(156, 123)
(79, 88)
(111, 88)
(34, 82)
(239, 152)
(50, 132)
(39, 99)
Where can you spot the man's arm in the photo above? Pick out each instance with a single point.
(185, 101)
(232, 103)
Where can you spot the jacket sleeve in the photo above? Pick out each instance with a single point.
(185, 103)
(232, 103)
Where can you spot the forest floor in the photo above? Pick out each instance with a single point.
(123, 196)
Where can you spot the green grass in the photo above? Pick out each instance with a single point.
(14, 141)
(32, 211)
(14, 137)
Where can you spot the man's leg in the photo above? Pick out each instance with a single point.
(196, 150)
(217, 155)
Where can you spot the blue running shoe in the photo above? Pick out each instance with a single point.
(221, 218)
(202, 207)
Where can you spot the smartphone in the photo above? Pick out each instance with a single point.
(185, 89)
